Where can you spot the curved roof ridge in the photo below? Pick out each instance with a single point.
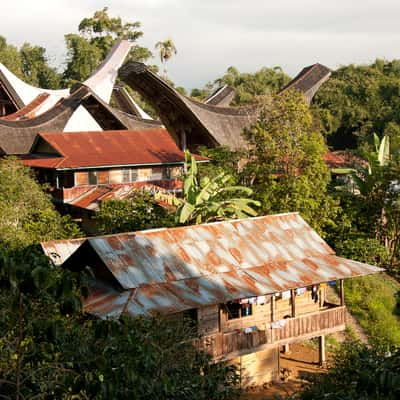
(27, 111)
(200, 123)
(101, 81)
(17, 137)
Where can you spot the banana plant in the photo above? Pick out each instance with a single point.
(212, 199)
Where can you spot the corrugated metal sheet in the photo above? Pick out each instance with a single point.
(91, 200)
(166, 255)
(171, 270)
(60, 250)
(108, 148)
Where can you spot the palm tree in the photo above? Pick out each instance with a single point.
(166, 49)
(210, 199)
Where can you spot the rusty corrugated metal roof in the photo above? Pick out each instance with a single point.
(171, 270)
(91, 200)
(108, 148)
(60, 250)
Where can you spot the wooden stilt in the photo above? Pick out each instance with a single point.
(322, 356)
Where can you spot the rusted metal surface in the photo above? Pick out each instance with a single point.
(60, 250)
(92, 199)
(171, 270)
(109, 148)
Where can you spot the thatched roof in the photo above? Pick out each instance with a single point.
(309, 80)
(110, 118)
(17, 137)
(222, 96)
(191, 122)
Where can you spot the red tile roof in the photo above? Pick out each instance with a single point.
(108, 148)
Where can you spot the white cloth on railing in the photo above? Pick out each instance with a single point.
(278, 324)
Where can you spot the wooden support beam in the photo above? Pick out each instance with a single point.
(322, 356)
(272, 308)
(293, 301)
(342, 292)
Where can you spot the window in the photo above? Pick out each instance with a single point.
(92, 177)
(102, 177)
(156, 174)
(126, 175)
(166, 173)
(237, 310)
(134, 175)
(81, 178)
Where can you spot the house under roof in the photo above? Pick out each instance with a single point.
(171, 270)
(83, 150)
(18, 130)
(101, 82)
(194, 123)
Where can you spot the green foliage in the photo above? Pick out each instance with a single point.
(97, 35)
(366, 250)
(27, 215)
(29, 63)
(208, 199)
(140, 211)
(36, 69)
(358, 372)
(360, 100)
(166, 50)
(48, 349)
(10, 57)
(222, 159)
(286, 166)
(373, 301)
(248, 86)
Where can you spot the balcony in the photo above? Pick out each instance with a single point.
(234, 344)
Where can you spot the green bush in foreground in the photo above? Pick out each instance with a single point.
(358, 372)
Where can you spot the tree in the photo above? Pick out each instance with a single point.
(359, 100)
(248, 85)
(97, 35)
(286, 166)
(211, 199)
(36, 69)
(29, 63)
(166, 49)
(10, 57)
(140, 211)
(27, 215)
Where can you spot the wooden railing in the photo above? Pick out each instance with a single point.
(233, 344)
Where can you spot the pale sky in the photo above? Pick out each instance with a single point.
(212, 35)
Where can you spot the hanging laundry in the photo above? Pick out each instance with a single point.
(253, 300)
(278, 324)
(286, 294)
(261, 300)
(250, 329)
(244, 301)
(300, 291)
